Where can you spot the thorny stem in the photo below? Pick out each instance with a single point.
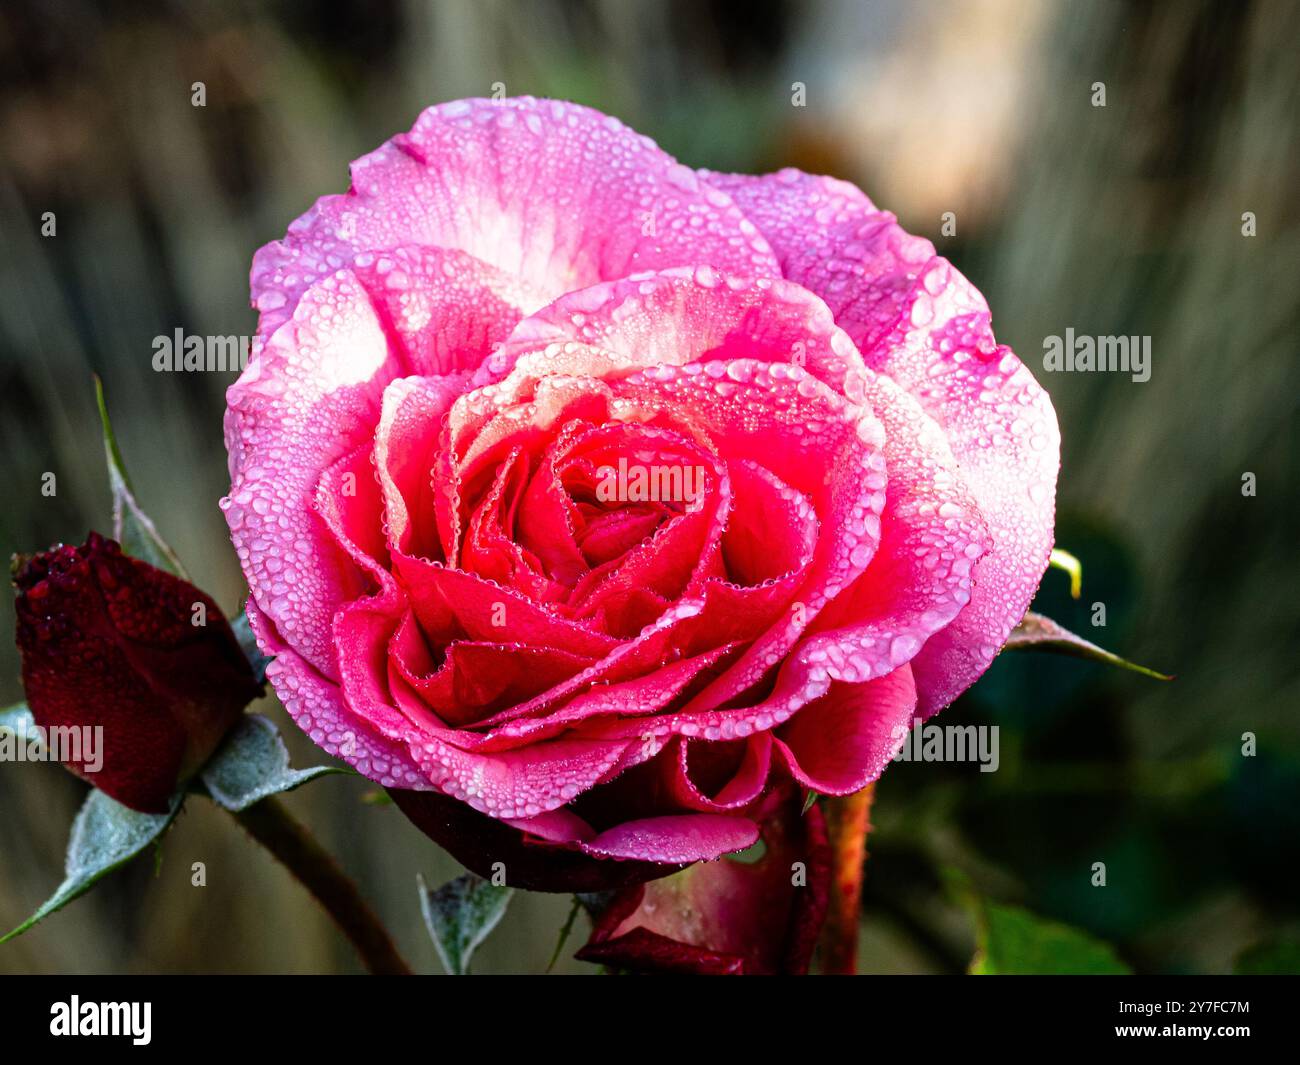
(296, 849)
(847, 822)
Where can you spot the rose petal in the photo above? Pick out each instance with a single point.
(638, 697)
(406, 446)
(812, 439)
(675, 839)
(921, 575)
(677, 316)
(309, 399)
(477, 681)
(918, 320)
(697, 760)
(841, 742)
(445, 309)
(348, 501)
(772, 531)
(316, 704)
(452, 603)
(557, 194)
(556, 826)
(505, 784)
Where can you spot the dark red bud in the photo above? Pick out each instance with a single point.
(110, 641)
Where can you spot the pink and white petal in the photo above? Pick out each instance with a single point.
(406, 448)
(916, 319)
(685, 315)
(317, 706)
(555, 193)
(309, 398)
(831, 239)
(1003, 430)
(917, 582)
(445, 309)
(514, 784)
(841, 742)
(932, 536)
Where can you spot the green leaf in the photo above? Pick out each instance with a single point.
(132, 527)
(1277, 957)
(1037, 632)
(1013, 941)
(18, 720)
(460, 915)
(105, 835)
(248, 644)
(252, 763)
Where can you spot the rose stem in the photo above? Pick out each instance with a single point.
(293, 846)
(847, 821)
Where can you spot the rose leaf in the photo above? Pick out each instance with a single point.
(460, 915)
(252, 763)
(132, 527)
(1015, 941)
(105, 835)
(18, 721)
(1037, 632)
(1012, 941)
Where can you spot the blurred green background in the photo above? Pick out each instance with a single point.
(1118, 220)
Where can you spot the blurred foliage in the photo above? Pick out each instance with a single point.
(1117, 220)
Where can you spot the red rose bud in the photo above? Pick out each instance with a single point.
(138, 665)
(732, 916)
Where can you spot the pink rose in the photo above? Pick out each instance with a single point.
(585, 498)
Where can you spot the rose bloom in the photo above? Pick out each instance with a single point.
(481, 380)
